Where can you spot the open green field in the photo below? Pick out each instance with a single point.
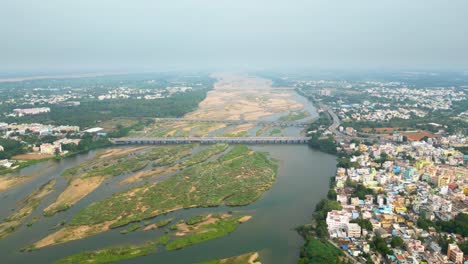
(238, 178)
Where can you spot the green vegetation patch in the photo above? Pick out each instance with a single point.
(320, 251)
(196, 219)
(205, 232)
(205, 154)
(133, 228)
(220, 225)
(275, 131)
(111, 254)
(132, 162)
(238, 178)
(294, 116)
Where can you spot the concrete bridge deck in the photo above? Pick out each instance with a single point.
(210, 140)
(237, 122)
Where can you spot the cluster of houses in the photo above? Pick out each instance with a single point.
(416, 179)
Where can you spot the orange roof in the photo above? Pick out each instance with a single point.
(417, 136)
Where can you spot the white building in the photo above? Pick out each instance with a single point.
(337, 221)
(353, 230)
(31, 111)
(50, 149)
(6, 163)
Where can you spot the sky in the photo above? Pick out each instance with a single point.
(88, 35)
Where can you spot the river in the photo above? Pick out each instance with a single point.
(303, 179)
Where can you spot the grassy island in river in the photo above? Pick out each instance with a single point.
(182, 234)
(238, 178)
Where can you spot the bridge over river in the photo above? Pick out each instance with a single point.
(238, 122)
(210, 140)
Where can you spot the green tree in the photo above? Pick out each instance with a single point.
(396, 242)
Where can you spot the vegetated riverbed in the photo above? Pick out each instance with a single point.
(303, 179)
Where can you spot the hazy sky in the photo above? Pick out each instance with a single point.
(155, 34)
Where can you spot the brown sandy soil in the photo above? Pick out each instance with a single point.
(245, 218)
(117, 152)
(181, 129)
(184, 229)
(254, 257)
(76, 190)
(249, 98)
(239, 129)
(206, 129)
(32, 156)
(7, 182)
(249, 258)
(136, 177)
(155, 172)
(150, 227)
(70, 233)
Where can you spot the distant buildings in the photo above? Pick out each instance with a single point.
(50, 149)
(31, 111)
(325, 92)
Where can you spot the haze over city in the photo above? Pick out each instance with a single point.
(234, 131)
(87, 35)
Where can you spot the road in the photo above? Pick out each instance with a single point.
(210, 140)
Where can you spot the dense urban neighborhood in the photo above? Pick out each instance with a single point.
(400, 193)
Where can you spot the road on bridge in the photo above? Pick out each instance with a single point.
(210, 140)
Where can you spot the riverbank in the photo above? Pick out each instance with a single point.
(317, 248)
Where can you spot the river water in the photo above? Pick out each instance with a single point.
(303, 179)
